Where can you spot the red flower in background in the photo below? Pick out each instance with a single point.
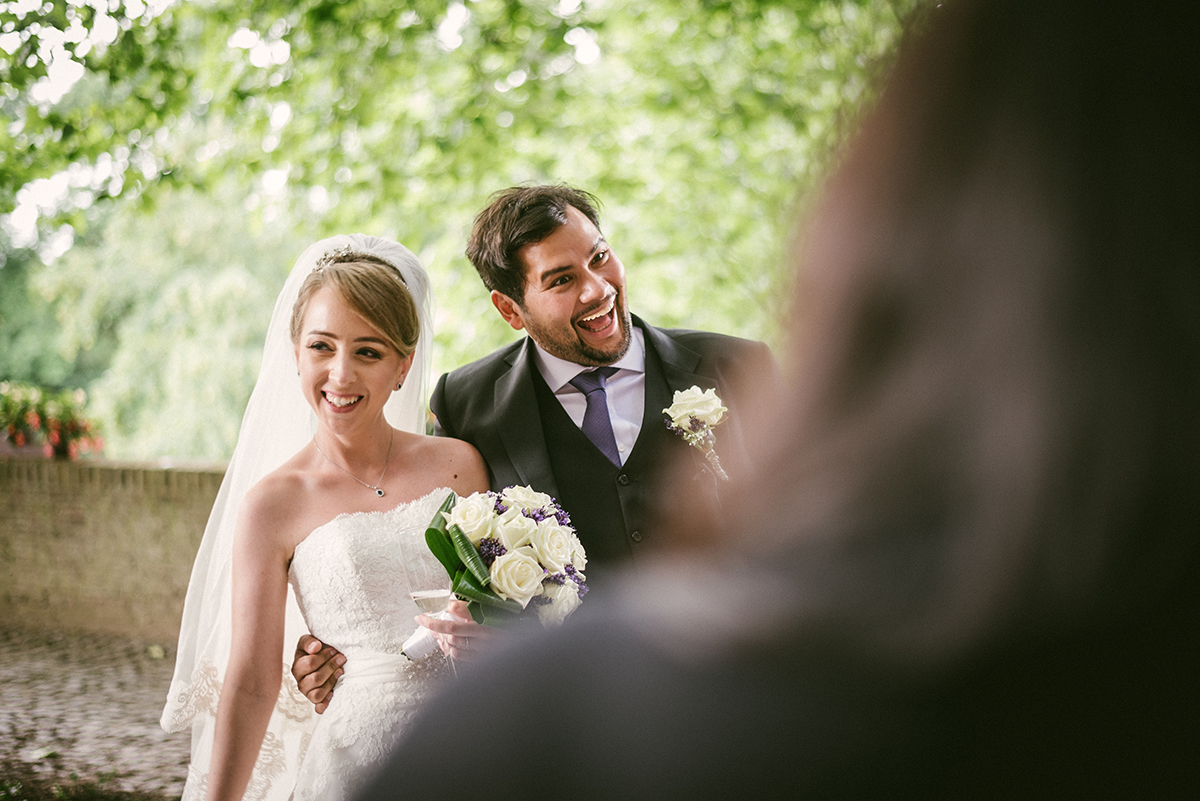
(29, 414)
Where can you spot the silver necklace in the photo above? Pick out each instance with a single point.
(386, 459)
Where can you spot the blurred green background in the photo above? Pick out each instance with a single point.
(162, 165)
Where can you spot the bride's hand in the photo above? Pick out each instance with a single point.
(316, 668)
(460, 637)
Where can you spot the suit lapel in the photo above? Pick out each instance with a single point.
(679, 368)
(520, 424)
(679, 365)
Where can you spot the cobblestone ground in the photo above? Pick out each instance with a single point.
(89, 705)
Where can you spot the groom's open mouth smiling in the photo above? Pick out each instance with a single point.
(341, 401)
(601, 321)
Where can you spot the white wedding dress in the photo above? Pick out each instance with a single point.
(354, 575)
(352, 578)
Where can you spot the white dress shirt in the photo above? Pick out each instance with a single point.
(625, 391)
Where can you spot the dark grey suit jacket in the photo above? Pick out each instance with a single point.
(493, 403)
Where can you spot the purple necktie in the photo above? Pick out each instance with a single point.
(596, 425)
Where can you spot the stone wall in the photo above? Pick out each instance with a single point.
(99, 547)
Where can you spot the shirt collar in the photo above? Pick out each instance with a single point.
(558, 372)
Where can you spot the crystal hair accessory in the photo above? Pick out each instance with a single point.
(335, 256)
(348, 254)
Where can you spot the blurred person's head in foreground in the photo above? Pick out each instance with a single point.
(995, 346)
(970, 558)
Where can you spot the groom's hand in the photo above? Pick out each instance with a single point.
(461, 637)
(316, 668)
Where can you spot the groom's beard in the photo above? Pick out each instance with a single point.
(565, 342)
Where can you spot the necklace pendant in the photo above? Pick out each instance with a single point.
(379, 492)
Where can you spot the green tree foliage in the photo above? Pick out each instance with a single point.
(29, 333)
(133, 76)
(697, 122)
(186, 288)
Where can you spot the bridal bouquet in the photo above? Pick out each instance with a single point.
(509, 551)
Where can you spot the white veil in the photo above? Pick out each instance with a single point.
(278, 423)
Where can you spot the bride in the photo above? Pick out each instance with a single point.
(319, 525)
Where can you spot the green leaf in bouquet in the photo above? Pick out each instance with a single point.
(439, 518)
(469, 556)
(467, 588)
(441, 547)
(502, 618)
(474, 607)
(439, 542)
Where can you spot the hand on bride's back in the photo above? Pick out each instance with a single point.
(316, 668)
(461, 637)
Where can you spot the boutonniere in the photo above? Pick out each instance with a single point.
(693, 415)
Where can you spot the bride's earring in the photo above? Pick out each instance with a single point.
(400, 385)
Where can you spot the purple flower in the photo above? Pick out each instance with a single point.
(535, 514)
(490, 549)
(573, 574)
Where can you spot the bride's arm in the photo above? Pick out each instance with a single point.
(252, 680)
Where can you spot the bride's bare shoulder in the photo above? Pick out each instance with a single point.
(456, 463)
(276, 504)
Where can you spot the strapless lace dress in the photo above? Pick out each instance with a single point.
(352, 578)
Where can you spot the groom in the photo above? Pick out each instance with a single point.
(551, 273)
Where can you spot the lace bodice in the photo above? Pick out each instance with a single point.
(353, 576)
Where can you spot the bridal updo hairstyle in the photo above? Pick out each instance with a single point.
(372, 287)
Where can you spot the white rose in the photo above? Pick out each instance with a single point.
(564, 599)
(510, 513)
(517, 575)
(516, 531)
(552, 542)
(578, 556)
(475, 515)
(525, 498)
(704, 406)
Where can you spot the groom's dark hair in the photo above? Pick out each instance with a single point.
(515, 217)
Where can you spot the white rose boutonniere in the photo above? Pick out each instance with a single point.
(693, 415)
